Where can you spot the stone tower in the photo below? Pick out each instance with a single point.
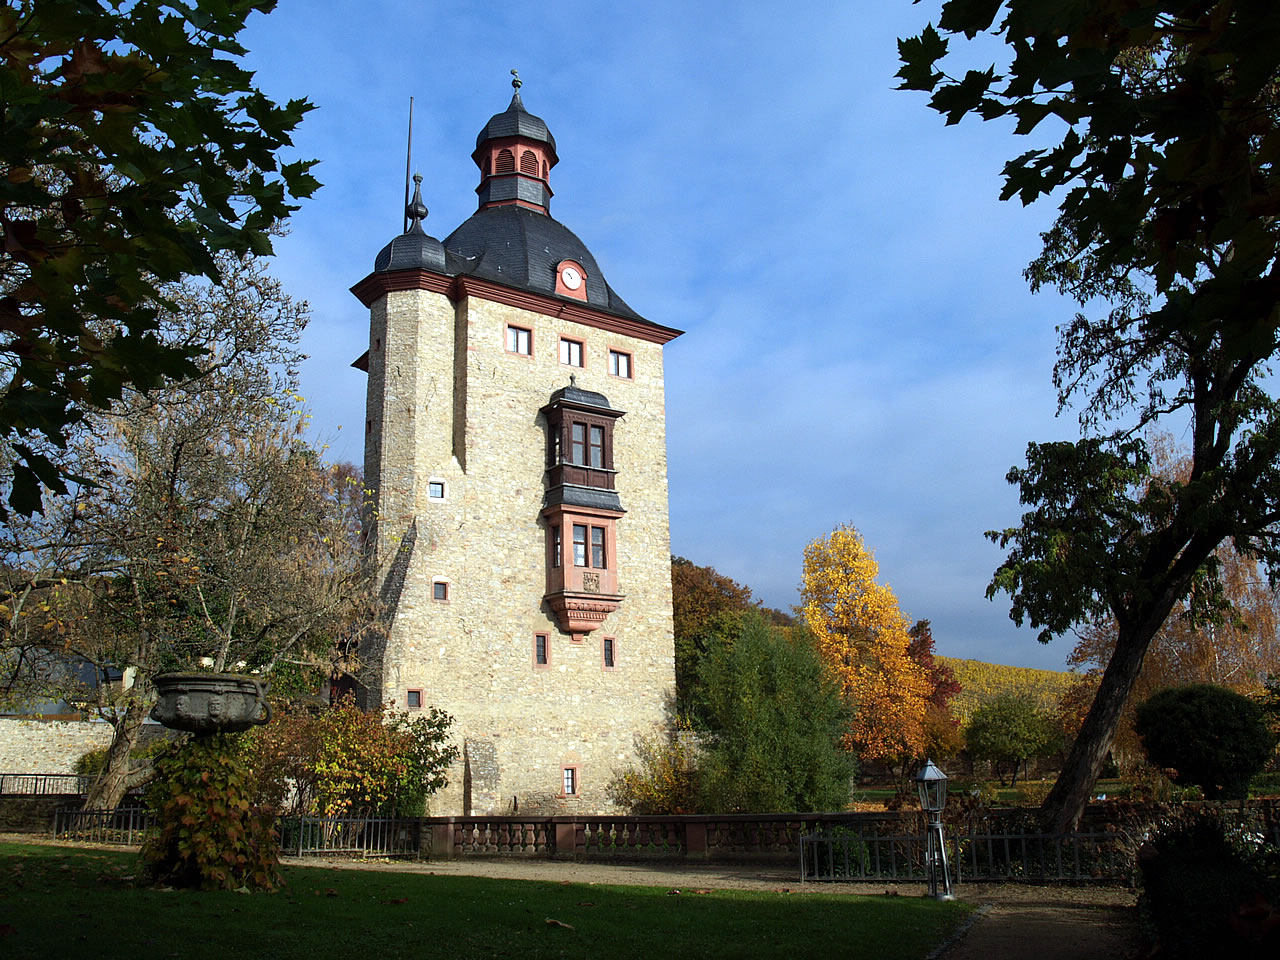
(516, 446)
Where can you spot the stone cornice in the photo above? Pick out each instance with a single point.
(377, 285)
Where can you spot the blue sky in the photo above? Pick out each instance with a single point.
(860, 347)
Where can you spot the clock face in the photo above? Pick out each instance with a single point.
(571, 278)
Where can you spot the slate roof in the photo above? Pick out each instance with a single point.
(521, 248)
(515, 121)
(589, 398)
(573, 495)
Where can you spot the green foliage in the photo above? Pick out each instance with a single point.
(1009, 729)
(707, 608)
(135, 148)
(1210, 735)
(1168, 187)
(666, 780)
(778, 723)
(342, 760)
(1206, 896)
(213, 835)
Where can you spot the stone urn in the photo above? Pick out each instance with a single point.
(209, 703)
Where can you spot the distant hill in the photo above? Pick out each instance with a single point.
(979, 680)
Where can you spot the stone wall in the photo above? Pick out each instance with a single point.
(53, 746)
(449, 403)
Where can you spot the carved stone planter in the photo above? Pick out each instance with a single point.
(208, 703)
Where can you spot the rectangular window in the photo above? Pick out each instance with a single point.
(414, 699)
(578, 444)
(597, 547)
(541, 650)
(555, 545)
(440, 590)
(596, 447)
(579, 544)
(571, 352)
(520, 340)
(435, 489)
(607, 651)
(620, 364)
(570, 781)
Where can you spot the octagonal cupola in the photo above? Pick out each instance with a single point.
(515, 153)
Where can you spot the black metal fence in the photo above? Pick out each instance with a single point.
(350, 836)
(44, 784)
(124, 825)
(848, 855)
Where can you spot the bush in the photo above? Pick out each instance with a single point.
(1206, 897)
(666, 782)
(1208, 735)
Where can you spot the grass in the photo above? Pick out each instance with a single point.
(56, 901)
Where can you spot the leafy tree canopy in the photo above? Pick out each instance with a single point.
(863, 638)
(1167, 234)
(778, 721)
(1009, 729)
(134, 147)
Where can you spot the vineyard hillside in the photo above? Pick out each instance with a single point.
(979, 680)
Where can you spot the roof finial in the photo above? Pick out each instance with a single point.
(416, 210)
(515, 80)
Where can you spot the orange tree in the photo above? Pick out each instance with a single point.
(863, 638)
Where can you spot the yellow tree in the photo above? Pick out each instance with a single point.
(863, 637)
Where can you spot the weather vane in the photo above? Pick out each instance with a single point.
(516, 81)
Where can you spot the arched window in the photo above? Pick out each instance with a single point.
(488, 164)
(544, 169)
(506, 162)
(529, 163)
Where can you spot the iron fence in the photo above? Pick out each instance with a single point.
(849, 855)
(350, 836)
(44, 784)
(123, 825)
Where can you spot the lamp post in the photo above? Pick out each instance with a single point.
(932, 784)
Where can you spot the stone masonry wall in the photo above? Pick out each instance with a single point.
(53, 746)
(472, 655)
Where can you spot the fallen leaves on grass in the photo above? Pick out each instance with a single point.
(557, 923)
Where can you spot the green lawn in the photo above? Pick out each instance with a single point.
(60, 902)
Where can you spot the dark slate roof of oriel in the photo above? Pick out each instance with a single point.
(588, 398)
(519, 247)
(570, 494)
(515, 121)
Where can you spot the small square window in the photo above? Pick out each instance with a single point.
(440, 590)
(570, 781)
(620, 364)
(571, 352)
(607, 650)
(435, 489)
(413, 699)
(520, 340)
(541, 650)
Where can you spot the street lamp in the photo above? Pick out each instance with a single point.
(932, 784)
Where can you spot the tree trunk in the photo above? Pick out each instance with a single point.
(115, 779)
(1063, 807)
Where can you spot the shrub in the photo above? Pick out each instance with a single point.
(1208, 735)
(665, 782)
(212, 834)
(1201, 894)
